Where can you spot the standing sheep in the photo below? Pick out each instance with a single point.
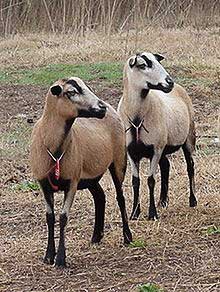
(158, 117)
(69, 154)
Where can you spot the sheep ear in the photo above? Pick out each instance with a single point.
(56, 90)
(159, 57)
(132, 61)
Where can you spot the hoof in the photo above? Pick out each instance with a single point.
(60, 262)
(192, 202)
(154, 217)
(163, 203)
(97, 237)
(48, 261)
(49, 258)
(127, 236)
(134, 217)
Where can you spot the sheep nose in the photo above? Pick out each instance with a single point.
(169, 81)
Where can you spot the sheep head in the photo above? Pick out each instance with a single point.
(72, 98)
(144, 71)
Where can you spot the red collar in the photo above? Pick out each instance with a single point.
(55, 169)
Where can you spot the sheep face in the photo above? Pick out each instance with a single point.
(144, 71)
(74, 99)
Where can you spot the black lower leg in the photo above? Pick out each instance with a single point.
(50, 252)
(191, 175)
(164, 169)
(152, 208)
(99, 201)
(136, 204)
(61, 252)
(121, 203)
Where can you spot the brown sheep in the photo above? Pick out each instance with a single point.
(158, 117)
(69, 151)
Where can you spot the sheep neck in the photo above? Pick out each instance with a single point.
(56, 133)
(136, 99)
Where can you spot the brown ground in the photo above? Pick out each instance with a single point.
(178, 253)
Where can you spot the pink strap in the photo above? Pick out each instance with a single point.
(57, 170)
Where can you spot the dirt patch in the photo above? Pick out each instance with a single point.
(178, 253)
(28, 101)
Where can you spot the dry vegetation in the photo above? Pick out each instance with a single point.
(106, 16)
(181, 251)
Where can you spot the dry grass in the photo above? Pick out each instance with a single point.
(179, 255)
(106, 16)
(182, 47)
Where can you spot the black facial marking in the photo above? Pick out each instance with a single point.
(144, 93)
(159, 86)
(89, 87)
(133, 62)
(76, 85)
(84, 113)
(92, 113)
(148, 61)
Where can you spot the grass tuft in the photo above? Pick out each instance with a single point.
(27, 186)
(138, 244)
(211, 230)
(149, 288)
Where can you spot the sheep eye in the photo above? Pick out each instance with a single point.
(69, 94)
(142, 66)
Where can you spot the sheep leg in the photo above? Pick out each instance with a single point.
(99, 200)
(50, 217)
(61, 252)
(164, 169)
(191, 175)
(136, 185)
(118, 179)
(151, 184)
